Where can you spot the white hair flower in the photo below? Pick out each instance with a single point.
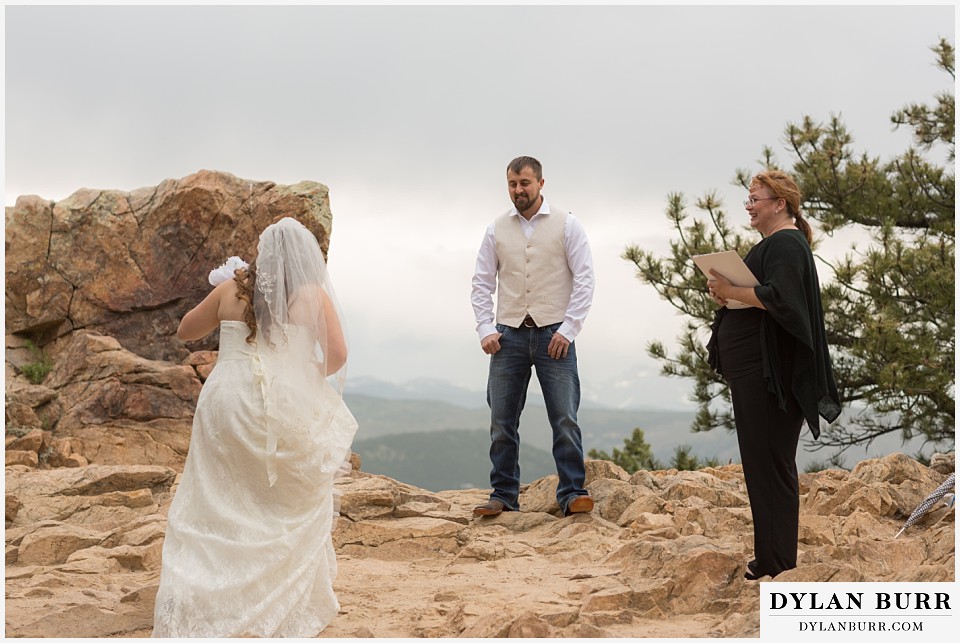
(226, 271)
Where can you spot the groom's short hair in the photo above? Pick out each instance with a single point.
(516, 166)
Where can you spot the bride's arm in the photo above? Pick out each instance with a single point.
(336, 342)
(205, 317)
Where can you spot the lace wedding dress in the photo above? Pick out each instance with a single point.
(248, 549)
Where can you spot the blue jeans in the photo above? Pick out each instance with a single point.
(521, 348)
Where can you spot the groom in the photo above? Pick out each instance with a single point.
(537, 259)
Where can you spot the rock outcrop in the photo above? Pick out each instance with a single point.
(97, 283)
(129, 264)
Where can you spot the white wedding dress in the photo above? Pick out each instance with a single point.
(242, 557)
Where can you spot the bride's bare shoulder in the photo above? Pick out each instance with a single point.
(231, 308)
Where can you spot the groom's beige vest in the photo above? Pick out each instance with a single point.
(533, 277)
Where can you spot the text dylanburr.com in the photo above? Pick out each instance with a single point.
(853, 610)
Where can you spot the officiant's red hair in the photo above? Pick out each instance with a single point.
(782, 186)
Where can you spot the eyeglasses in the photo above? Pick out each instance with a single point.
(752, 201)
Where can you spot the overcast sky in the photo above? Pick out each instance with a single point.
(410, 115)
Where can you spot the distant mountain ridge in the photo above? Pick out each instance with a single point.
(438, 428)
(441, 460)
(438, 445)
(619, 393)
(416, 389)
(601, 428)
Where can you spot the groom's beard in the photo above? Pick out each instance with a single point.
(522, 201)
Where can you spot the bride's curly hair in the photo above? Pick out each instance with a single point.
(245, 279)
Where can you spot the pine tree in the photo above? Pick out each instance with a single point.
(684, 460)
(888, 306)
(636, 454)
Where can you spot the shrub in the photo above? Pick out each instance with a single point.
(37, 370)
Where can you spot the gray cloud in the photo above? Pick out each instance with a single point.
(410, 115)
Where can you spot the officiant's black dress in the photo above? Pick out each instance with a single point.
(778, 368)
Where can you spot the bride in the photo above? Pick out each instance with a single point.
(248, 549)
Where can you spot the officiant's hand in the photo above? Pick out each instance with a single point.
(718, 286)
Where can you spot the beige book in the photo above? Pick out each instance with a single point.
(730, 265)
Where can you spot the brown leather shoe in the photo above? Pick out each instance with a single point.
(491, 508)
(579, 505)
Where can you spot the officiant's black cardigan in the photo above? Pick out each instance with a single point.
(790, 290)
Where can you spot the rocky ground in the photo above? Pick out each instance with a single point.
(662, 554)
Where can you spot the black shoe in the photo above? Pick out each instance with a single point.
(755, 573)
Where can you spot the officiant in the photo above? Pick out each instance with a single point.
(773, 355)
